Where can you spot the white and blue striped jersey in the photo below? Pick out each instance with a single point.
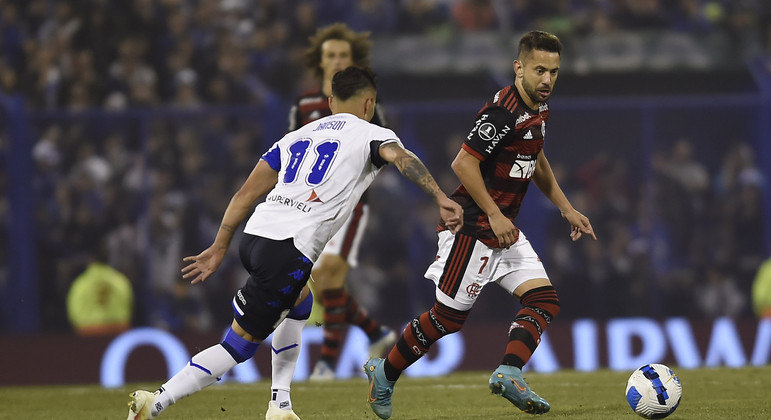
(323, 169)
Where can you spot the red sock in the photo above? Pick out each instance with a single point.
(539, 307)
(340, 308)
(420, 334)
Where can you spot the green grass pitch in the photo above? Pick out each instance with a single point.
(707, 394)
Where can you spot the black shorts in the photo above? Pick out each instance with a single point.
(277, 274)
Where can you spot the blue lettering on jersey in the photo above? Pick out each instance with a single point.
(330, 125)
(273, 158)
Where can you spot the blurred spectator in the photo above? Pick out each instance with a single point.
(376, 16)
(420, 16)
(682, 190)
(100, 301)
(718, 295)
(474, 15)
(129, 179)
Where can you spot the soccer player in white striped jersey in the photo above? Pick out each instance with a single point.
(313, 178)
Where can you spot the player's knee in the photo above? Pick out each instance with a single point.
(542, 300)
(329, 272)
(302, 310)
(556, 305)
(239, 348)
(447, 320)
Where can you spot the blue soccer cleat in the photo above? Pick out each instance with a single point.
(507, 382)
(380, 388)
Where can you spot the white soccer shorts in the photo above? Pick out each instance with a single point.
(347, 240)
(464, 265)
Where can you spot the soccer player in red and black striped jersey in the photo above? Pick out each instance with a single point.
(495, 165)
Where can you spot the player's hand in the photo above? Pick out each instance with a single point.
(451, 213)
(203, 265)
(580, 225)
(503, 229)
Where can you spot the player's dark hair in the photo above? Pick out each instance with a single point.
(359, 41)
(347, 83)
(538, 40)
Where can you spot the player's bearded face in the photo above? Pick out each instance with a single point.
(539, 73)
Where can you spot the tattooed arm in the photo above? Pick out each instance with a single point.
(262, 179)
(414, 170)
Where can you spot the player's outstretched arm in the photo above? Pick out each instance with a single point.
(413, 169)
(262, 179)
(547, 183)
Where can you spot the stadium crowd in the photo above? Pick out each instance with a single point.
(149, 188)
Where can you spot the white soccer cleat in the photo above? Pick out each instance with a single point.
(322, 372)
(276, 413)
(386, 340)
(140, 405)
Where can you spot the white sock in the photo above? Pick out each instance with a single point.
(194, 376)
(286, 340)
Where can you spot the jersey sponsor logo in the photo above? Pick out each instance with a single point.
(528, 135)
(473, 289)
(330, 125)
(522, 118)
(299, 205)
(543, 107)
(487, 131)
(477, 124)
(494, 142)
(523, 168)
(314, 198)
(241, 297)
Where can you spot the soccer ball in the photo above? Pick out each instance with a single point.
(653, 391)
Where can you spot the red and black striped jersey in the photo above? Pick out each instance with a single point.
(313, 105)
(506, 138)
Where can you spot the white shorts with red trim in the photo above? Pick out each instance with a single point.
(347, 240)
(464, 265)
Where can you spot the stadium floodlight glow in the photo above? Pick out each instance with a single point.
(112, 373)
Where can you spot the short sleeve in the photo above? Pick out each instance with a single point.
(489, 130)
(273, 157)
(381, 137)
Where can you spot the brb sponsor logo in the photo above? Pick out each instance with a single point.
(473, 289)
(523, 167)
